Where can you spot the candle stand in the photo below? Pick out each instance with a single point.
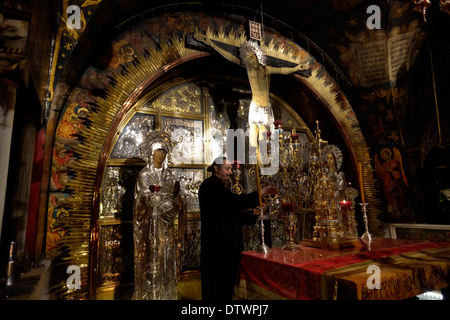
(366, 237)
(333, 224)
(320, 190)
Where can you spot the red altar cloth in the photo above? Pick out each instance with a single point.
(407, 268)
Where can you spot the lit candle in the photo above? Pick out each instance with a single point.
(361, 186)
(346, 204)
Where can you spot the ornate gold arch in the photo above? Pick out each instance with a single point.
(101, 123)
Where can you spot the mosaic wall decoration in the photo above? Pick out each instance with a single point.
(188, 135)
(185, 98)
(190, 259)
(127, 146)
(190, 180)
(116, 253)
(118, 192)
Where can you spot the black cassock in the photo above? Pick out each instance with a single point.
(221, 236)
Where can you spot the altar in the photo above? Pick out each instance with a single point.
(390, 269)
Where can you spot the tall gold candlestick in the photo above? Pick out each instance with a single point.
(258, 182)
(258, 185)
(361, 186)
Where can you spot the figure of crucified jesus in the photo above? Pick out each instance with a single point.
(260, 115)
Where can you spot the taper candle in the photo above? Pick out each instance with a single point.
(258, 182)
(361, 186)
(258, 185)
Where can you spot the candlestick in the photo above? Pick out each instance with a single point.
(263, 247)
(237, 188)
(258, 182)
(258, 185)
(361, 185)
(366, 237)
(278, 128)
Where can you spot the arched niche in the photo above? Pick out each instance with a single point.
(93, 120)
(208, 105)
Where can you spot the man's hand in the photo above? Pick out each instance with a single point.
(268, 190)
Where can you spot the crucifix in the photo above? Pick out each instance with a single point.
(260, 65)
(251, 55)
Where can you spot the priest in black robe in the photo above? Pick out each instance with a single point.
(221, 223)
